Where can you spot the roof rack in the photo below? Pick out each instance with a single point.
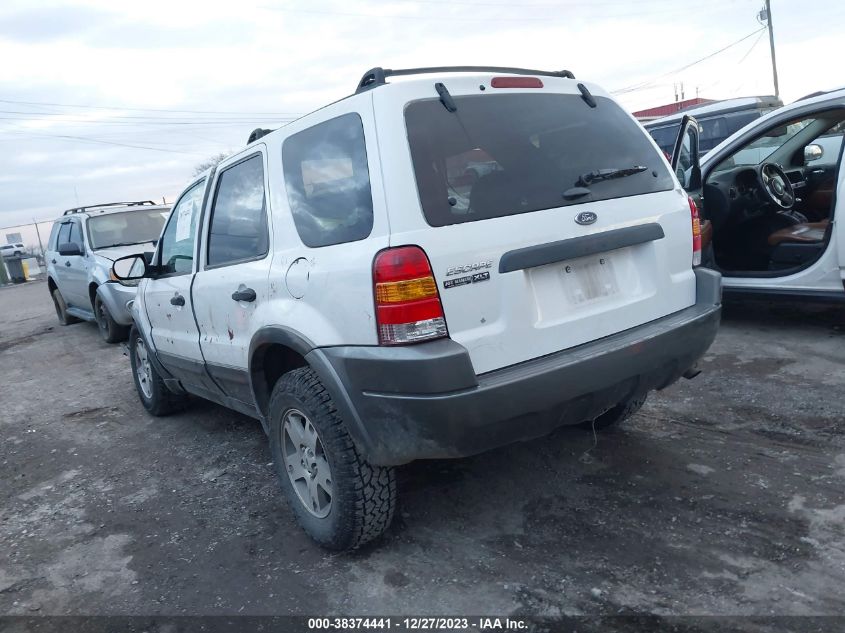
(108, 204)
(257, 133)
(377, 76)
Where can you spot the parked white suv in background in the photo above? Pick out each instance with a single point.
(83, 244)
(12, 250)
(328, 281)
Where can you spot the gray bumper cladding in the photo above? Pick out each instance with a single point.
(115, 297)
(424, 401)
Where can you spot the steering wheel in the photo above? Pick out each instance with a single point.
(776, 185)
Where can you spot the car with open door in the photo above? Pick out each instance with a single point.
(774, 196)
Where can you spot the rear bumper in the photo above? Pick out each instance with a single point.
(425, 401)
(116, 296)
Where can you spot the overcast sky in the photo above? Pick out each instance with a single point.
(108, 100)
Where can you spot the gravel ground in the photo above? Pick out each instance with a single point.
(724, 495)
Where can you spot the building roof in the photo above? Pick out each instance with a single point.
(670, 108)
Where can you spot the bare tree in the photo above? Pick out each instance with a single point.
(209, 162)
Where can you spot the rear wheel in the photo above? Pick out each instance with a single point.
(339, 499)
(61, 309)
(110, 330)
(154, 394)
(617, 414)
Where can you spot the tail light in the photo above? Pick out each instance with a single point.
(696, 232)
(408, 308)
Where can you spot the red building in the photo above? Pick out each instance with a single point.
(650, 114)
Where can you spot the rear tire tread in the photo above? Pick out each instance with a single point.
(372, 495)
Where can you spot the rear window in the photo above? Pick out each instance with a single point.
(665, 137)
(500, 155)
(328, 182)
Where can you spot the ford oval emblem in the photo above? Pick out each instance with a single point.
(586, 217)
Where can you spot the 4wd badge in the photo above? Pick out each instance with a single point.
(586, 217)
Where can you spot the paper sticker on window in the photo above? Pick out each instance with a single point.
(183, 220)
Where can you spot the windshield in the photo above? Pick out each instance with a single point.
(128, 227)
(505, 154)
(759, 150)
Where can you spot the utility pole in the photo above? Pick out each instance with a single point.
(767, 15)
(40, 243)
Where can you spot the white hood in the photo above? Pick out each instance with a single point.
(116, 252)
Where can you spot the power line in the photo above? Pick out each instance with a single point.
(95, 140)
(643, 84)
(104, 107)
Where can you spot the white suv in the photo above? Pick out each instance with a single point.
(12, 250)
(357, 284)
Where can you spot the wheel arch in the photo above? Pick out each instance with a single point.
(92, 292)
(51, 285)
(274, 351)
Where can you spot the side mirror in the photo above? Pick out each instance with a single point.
(813, 152)
(129, 270)
(69, 249)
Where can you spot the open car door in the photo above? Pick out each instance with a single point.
(687, 167)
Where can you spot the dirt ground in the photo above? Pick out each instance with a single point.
(724, 495)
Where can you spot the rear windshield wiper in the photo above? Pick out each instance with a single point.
(608, 174)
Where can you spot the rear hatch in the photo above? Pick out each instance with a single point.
(536, 245)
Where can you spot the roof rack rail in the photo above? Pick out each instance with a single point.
(377, 76)
(256, 134)
(108, 204)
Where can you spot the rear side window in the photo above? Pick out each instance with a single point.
(504, 154)
(328, 182)
(238, 229)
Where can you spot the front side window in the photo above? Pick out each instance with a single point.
(328, 182)
(768, 146)
(525, 152)
(179, 238)
(238, 230)
(64, 234)
(126, 228)
(75, 236)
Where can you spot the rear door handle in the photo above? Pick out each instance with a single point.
(177, 300)
(67, 264)
(244, 294)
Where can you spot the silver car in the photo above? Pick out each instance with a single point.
(83, 244)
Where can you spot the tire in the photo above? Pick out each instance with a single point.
(153, 393)
(61, 309)
(351, 501)
(616, 415)
(110, 330)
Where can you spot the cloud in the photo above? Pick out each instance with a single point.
(225, 60)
